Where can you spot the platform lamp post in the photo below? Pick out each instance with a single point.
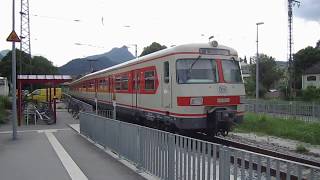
(136, 49)
(257, 61)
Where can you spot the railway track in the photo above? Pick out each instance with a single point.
(247, 147)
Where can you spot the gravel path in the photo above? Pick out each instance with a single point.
(277, 144)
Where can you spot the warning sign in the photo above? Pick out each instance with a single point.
(13, 37)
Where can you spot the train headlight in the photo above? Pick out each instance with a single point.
(196, 101)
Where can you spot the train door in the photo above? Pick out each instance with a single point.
(135, 88)
(110, 89)
(166, 86)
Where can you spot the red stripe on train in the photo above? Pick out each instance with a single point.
(211, 101)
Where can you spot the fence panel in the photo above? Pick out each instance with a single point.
(309, 112)
(174, 157)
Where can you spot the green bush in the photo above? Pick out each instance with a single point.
(301, 149)
(311, 94)
(291, 129)
(5, 102)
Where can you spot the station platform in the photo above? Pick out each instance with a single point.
(57, 152)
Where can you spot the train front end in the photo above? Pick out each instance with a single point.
(208, 89)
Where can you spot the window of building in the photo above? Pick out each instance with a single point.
(2, 82)
(311, 78)
(149, 80)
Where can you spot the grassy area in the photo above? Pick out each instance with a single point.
(291, 129)
(4, 104)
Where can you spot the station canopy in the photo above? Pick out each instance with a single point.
(55, 79)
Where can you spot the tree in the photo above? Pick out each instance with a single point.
(245, 60)
(37, 65)
(152, 48)
(302, 60)
(318, 45)
(269, 74)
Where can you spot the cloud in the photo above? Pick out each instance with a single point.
(309, 10)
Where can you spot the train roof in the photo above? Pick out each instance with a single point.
(181, 48)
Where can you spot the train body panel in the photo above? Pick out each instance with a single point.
(187, 86)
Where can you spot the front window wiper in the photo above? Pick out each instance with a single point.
(194, 62)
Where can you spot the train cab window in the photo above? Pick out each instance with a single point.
(196, 71)
(166, 72)
(231, 71)
(149, 80)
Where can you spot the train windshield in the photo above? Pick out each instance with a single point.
(231, 71)
(196, 71)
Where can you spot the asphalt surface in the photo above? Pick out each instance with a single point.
(33, 157)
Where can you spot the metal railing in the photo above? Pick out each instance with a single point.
(174, 157)
(106, 113)
(287, 110)
(76, 105)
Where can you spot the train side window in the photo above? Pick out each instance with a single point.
(166, 71)
(124, 82)
(149, 80)
(103, 84)
(91, 86)
(118, 83)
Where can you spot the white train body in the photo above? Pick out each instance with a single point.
(182, 87)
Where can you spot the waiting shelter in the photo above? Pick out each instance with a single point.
(51, 81)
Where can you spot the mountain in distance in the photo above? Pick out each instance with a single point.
(3, 53)
(81, 66)
(282, 64)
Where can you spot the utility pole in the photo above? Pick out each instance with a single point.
(257, 61)
(136, 49)
(14, 38)
(291, 83)
(91, 66)
(25, 45)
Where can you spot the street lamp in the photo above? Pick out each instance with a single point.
(257, 61)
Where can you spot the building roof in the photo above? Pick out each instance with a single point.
(44, 78)
(315, 69)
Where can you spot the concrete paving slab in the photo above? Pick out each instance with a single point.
(31, 157)
(94, 162)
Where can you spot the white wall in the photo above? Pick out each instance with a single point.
(4, 87)
(306, 83)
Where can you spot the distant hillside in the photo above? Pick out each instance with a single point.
(81, 66)
(282, 64)
(3, 53)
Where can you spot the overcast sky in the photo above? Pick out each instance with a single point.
(105, 24)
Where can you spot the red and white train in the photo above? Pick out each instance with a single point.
(188, 87)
